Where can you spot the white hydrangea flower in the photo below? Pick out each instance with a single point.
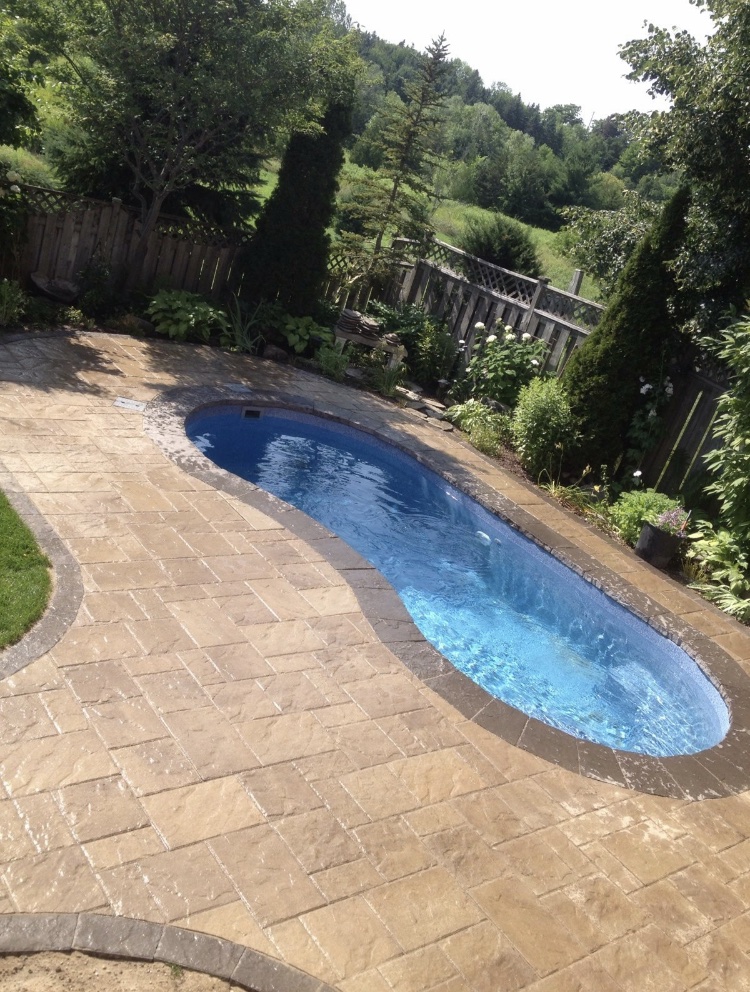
(15, 189)
(646, 389)
(637, 474)
(510, 337)
(491, 338)
(534, 361)
(479, 326)
(526, 336)
(13, 177)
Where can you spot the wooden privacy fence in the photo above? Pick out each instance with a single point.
(65, 234)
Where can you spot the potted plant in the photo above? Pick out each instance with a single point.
(660, 538)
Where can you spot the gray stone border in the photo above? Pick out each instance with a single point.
(722, 770)
(138, 940)
(67, 591)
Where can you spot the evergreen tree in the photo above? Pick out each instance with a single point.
(393, 200)
(632, 345)
(287, 258)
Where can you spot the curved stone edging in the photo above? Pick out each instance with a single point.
(719, 771)
(67, 591)
(139, 940)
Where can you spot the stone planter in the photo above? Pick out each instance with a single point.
(657, 547)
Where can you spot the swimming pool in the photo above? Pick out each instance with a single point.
(502, 610)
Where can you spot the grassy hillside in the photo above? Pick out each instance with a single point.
(451, 217)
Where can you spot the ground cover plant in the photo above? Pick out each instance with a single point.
(24, 576)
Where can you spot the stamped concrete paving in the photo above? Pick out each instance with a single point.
(220, 741)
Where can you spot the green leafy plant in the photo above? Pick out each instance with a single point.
(543, 427)
(333, 362)
(721, 566)
(185, 316)
(300, 333)
(488, 430)
(632, 509)
(433, 355)
(244, 330)
(12, 302)
(502, 364)
(385, 378)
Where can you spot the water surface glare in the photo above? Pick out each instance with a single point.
(502, 610)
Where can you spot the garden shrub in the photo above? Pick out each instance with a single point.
(333, 362)
(488, 430)
(632, 509)
(12, 302)
(185, 316)
(503, 242)
(543, 427)
(433, 354)
(501, 365)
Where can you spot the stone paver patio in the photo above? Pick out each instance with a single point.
(218, 739)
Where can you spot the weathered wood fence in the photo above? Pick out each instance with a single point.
(463, 290)
(66, 234)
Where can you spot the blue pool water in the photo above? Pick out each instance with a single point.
(502, 610)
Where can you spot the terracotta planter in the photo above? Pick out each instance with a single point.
(657, 547)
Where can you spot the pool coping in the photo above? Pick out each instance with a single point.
(720, 771)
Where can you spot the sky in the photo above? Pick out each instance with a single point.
(549, 51)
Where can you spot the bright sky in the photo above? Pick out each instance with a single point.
(549, 51)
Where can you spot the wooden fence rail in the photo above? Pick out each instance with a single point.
(67, 234)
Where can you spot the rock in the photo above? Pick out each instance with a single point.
(275, 354)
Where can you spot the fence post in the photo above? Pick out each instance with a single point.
(575, 282)
(541, 285)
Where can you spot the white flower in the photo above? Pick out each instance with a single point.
(534, 361)
(15, 189)
(646, 389)
(479, 326)
(13, 177)
(509, 329)
(491, 338)
(637, 474)
(510, 337)
(526, 337)
(651, 413)
(669, 388)
(461, 342)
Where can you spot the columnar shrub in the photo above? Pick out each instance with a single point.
(635, 338)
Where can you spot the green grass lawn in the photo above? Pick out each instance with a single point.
(25, 580)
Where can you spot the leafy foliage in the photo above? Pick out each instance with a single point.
(722, 560)
(181, 95)
(185, 316)
(705, 134)
(332, 361)
(636, 337)
(543, 427)
(501, 365)
(12, 302)
(301, 333)
(503, 242)
(602, 241)
(632, 509)
(488, 430)
(730, 462)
